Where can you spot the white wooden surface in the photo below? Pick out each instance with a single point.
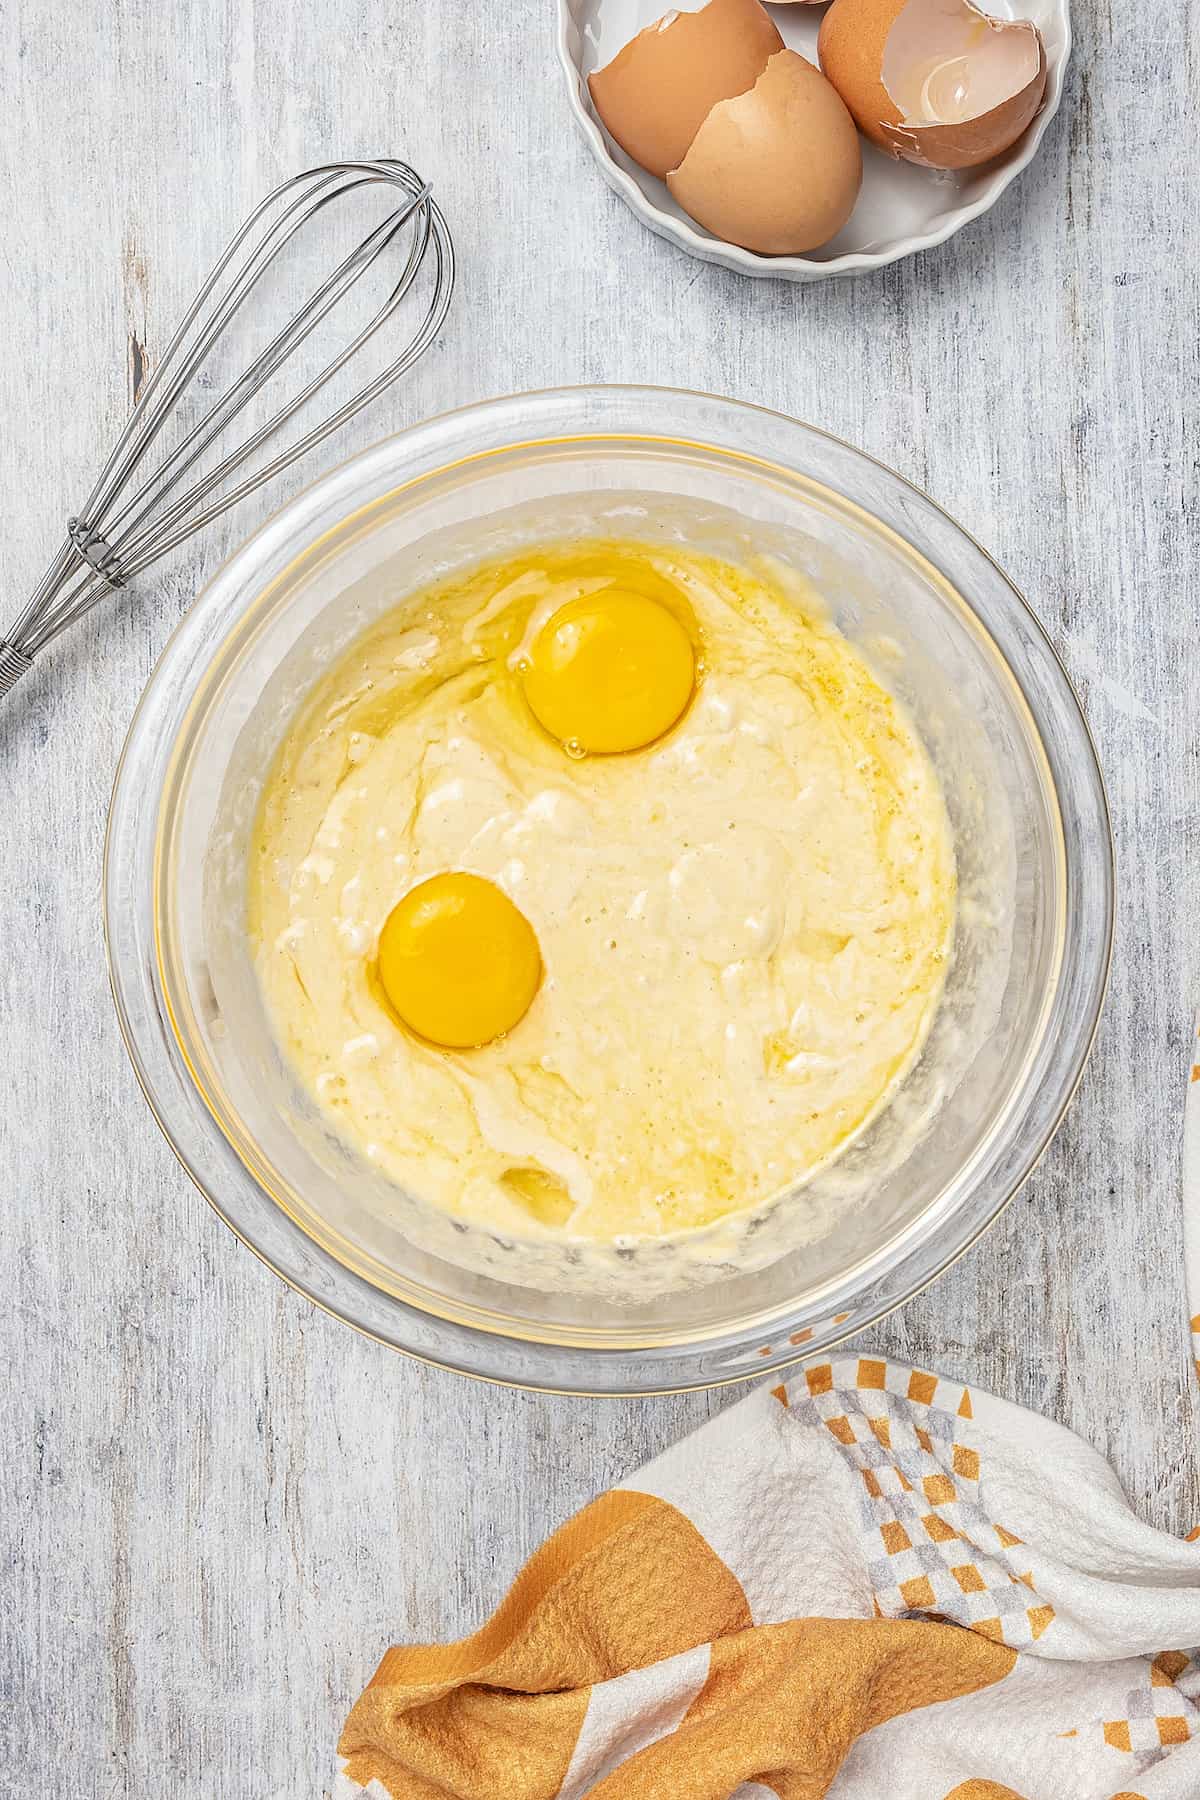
(216, 1505)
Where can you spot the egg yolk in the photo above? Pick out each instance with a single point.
(609, 672)
(458, 962)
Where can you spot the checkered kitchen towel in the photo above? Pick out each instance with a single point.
(867, 1583)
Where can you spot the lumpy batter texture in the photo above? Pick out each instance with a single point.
(744, 927)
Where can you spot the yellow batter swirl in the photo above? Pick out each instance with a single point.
(743, 925)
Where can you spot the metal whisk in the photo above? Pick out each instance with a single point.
(132, 517)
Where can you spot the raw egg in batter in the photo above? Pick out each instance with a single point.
(610, 672)
(735, 914)
(458, 962)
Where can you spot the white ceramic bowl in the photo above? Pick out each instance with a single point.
(901, 208)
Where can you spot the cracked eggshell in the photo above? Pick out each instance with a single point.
(656, 92)
(776, 169)
(936, 82)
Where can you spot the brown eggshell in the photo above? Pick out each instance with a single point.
(656, 92)
(973, 141)
(850, 46)
(853, 50)
(776, 169)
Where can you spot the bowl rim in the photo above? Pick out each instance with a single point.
(122, 972)
(707, 248)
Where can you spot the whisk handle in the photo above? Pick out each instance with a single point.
(13, 664)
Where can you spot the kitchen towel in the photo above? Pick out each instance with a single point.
(865, 1582)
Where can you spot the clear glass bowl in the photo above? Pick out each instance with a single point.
(950, 635)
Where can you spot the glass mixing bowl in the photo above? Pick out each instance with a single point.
(947, 632)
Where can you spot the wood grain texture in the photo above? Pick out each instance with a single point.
(216, 1505)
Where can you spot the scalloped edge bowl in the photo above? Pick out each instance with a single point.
(892, 191)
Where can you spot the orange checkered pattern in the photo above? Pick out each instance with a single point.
(829, 1589)
(940, 1552)
(1161, 1712)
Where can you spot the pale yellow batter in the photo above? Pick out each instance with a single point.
(744, 927)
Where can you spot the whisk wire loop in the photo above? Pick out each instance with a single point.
(126, 523)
